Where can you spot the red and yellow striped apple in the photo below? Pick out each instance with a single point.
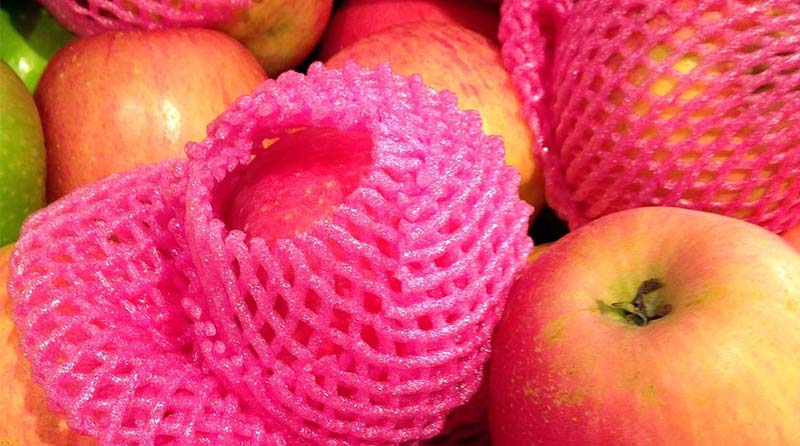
(280, 33)
(114, 101)
(354, 20)
(450, 57)
(653, 326)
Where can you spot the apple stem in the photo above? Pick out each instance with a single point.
(642, 309)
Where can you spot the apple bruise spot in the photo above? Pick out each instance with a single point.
(644, 307)
(297, 181)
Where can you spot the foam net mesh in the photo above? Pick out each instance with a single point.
(89, 17)
(149, 322)
(97, 282)
(688, 103)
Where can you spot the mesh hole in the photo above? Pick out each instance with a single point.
(341, 320)
(302, 333)
(267, 333)
(370, 337)
(372, 303)
(313, 301)
(281, 307)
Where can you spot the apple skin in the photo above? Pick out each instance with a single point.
(719, 369)
(26, 419)
(22, 155)
(296, 182)
(355, 19)
(29, 36)
(280, 33)
(450, 57)
(792, 236)
(538, 250)
(114, 101)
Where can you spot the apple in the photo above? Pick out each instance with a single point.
(280, 33)
(538, 250)
(29, 36)
(653, 326)
(792, 236)
(297, 181)
(355, 19)
(118, 100)
(26, 418)
(672, 105)
(22, 155)
(450, 57)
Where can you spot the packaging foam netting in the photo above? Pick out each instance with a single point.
(688, 103)
(89, 17)
(149, 322)
(97, 282)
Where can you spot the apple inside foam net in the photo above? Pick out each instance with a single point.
(90, 17)
(150, 317)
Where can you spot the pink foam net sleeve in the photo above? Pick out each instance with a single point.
(89, 17)
(371, 326)
(686, 103)
(97, 283)
(149, 322)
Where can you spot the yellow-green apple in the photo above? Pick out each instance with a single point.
(29, 36)
(450, 57)
(26, 419)
(22, 155)
(352, 20)
(118, 100)
(792, 236)
(280, 33)
(653, 326)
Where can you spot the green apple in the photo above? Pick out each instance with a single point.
(22, 155)
(29, 36)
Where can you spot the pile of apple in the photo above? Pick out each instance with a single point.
(643, 326)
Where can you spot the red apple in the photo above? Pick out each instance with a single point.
(355, 19)
(297, 181)
(280, 33)
(26, 418)
(654, 326)
(453, 58)
(538, 250)
(118, 100)
(792, 236)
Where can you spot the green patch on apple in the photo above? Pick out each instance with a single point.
(29, 36)
(22, 155)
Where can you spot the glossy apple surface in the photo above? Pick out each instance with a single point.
(792, 236)
(118, 100)
(450, 57)
(355, 19)
(280, 33)
(654, 326)
(297, 181)
(22, 155)
(26, 420)
(29, 36)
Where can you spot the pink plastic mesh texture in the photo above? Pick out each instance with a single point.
(372, 325)
(89, 17)
(98, 280)
(689, 103)
(147, 322)
(468, 425)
